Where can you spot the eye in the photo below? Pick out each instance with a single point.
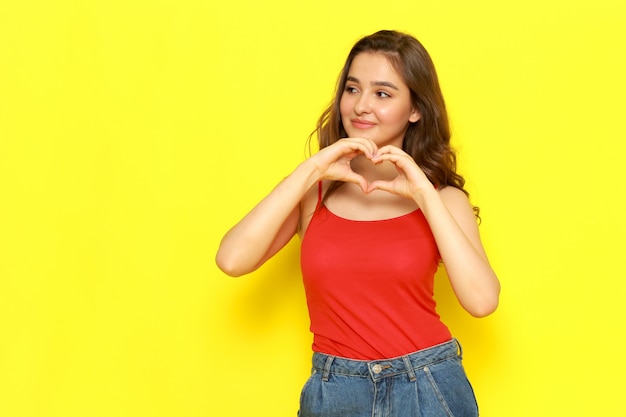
(351, 89)
(383, 94)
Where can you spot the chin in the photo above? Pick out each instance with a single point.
(362, 134)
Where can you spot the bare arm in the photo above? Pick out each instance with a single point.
(272, 223)
(453, 224)
(268, 227)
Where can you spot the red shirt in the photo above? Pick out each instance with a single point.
(369, 285)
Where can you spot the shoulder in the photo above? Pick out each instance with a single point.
(453, 195)
(457, 202)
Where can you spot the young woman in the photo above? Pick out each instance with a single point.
(377, 209)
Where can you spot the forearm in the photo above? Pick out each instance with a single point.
(268, 226)
(473, 280)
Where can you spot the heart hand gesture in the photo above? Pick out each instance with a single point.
(333, 162)
(411, 181)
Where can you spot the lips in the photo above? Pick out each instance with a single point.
(362, 124)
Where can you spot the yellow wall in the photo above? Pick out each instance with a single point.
(134, 133)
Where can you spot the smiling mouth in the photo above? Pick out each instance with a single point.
(362, 124)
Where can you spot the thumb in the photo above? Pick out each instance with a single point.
(381, 185)
(358, 180)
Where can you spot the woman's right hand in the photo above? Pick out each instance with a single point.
(333, 162)
(271, 224)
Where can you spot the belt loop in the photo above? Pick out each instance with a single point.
(326, 373)
(409, 368)
(460, 348)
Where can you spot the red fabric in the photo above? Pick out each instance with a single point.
(369, 285)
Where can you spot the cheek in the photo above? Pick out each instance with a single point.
(388, 116)
(384, 113)
(394, 116)
(345, 107)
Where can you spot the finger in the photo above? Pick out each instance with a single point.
(397, 159)
(390, 149)
(381, 185)
(358, 180)
(367, 146)
(345, 148)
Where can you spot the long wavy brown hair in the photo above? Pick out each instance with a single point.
(428, 139)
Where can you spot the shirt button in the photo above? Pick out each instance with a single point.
(377, 368)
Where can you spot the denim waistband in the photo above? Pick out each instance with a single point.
(382, 368)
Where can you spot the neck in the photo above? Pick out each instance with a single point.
(384, 171)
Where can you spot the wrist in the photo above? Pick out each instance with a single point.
(309, 171)
(424, 196)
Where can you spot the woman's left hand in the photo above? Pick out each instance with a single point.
(453, 224)
(411, 181)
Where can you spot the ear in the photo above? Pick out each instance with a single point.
(415, 116)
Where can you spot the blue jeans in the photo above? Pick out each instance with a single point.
(428, 383)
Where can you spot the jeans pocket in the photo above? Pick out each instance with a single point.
(305, 402)
(452, 388)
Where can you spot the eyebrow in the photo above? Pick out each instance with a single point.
(378, 83)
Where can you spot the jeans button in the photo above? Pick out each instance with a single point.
(377, 368)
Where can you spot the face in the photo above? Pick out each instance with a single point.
(376, 103)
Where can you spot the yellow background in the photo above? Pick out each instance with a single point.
(133, 134)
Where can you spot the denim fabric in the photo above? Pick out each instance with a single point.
(427, 383)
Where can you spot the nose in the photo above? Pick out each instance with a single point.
(362, 105)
